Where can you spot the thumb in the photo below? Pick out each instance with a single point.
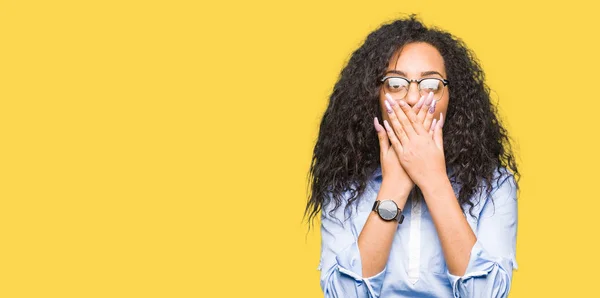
(438, 137)
(384, 143)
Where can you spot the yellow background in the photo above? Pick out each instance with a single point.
(160, 148)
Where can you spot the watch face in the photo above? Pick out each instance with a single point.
(388, 209)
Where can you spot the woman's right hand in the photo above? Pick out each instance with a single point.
(394, 176)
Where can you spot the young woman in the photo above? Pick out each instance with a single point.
(413, 173)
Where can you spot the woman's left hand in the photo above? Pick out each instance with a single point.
(420, 151)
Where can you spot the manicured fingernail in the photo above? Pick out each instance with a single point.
(420, 102)
(387, 125)
(388, 107)
(376, 124)
(402, 103)
(433, 124)
(388, 96)
(427, 100)
(432, 107)
(442, 120)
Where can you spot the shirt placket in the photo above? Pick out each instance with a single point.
(414, 242)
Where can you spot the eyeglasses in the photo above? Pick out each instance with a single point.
(398, 87)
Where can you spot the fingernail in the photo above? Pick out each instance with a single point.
(428, 99)
(388, 96)
(433, 124)
(441, 120)
(402, 103)
(387, 125)
(420, 102)
(388, 107)
(376, 124)
(432, 107)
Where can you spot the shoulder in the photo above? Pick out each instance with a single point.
(503, 184)
(500, 193)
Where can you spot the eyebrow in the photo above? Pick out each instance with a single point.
(425, 73)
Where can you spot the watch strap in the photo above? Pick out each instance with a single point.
(399, 217)
(375, 204)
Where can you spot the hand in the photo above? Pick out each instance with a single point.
(391, 168)
(420, 149)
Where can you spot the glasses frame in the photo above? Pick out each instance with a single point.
(418, 81)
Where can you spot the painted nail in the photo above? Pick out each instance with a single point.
(428, 98)
(387, 125)
(402, 103)
(388, 107)
(388, 96)
(432, 107)
(433, 124)
(442, 120)
(376, 124)
(420, 102)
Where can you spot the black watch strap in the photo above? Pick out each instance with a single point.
(375, 204)
(399, 216)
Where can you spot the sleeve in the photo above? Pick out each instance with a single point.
(340, 264)
(489, 271)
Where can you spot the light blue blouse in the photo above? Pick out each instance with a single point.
(416, 265)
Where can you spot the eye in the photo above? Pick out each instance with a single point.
(396, 84)
(430, 85)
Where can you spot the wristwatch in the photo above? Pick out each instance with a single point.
(388, 210)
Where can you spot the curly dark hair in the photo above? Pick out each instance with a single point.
(346, 153)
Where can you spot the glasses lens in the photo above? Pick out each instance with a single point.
(432, 85)
(397, 87)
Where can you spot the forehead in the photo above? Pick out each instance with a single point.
(415, 58)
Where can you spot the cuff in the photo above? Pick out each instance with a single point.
(349, 263)
(481, 263)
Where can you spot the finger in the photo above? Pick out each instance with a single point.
(430, 113)
(398, 117)
(412, 117)
(419, 105)
(399, 125)
(392, 136)
(432, 127)
(408, 111)
(427, 116)
(384, 142)
(437, 133)
(422, 113)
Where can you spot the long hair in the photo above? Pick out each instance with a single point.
(346, 153)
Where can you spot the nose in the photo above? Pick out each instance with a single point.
(413, 95)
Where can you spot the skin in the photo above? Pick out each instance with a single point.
(410, 62)
(416, 61)
(412, 153)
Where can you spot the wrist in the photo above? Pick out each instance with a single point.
(435, 186)
(398, 192)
